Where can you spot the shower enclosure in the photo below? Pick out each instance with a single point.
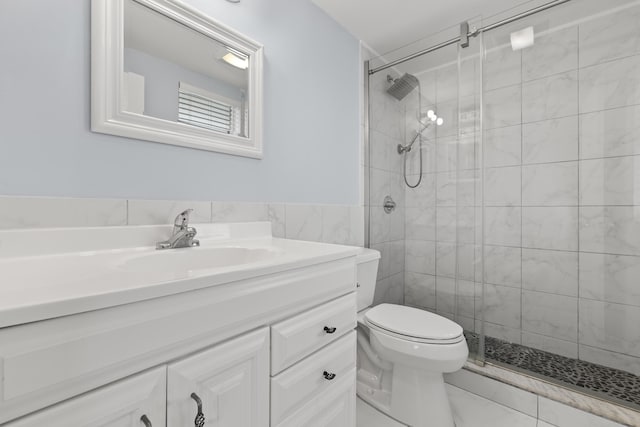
(503, 186)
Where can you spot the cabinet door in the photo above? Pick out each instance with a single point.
(121, 404)
(336, 407)
(231, 380)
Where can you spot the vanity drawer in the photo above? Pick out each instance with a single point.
(301, 335)
(335, 407)
(300, 384)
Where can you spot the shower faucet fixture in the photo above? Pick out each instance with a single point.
(433, 118)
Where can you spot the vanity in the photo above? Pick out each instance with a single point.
(98, 328)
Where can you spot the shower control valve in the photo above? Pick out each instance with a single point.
(389, 205)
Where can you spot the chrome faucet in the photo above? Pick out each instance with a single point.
(183, 235)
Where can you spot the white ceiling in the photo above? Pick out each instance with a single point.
(385, 25)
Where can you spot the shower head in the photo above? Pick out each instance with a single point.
(402, 86)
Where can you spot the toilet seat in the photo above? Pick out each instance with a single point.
(413, 324)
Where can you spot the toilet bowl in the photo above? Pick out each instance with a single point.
(403, 353)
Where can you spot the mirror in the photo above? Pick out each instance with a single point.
(164, 72)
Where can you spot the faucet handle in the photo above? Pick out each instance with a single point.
(182, 220)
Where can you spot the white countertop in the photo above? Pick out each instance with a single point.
(58, 272)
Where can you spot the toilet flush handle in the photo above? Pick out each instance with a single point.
(329, 330)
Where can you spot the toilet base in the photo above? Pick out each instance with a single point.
(368, 416)
(419, 398)
(415, 398)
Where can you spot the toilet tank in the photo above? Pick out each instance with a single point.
(367, 264)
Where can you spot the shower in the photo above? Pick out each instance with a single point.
(399, 89)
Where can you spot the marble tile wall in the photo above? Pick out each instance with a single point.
(325, 223)
(387, 230)
(562, 194)
(561, 148)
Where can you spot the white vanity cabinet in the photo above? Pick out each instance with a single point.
(122, 404)
(231, 380)
(114, 366)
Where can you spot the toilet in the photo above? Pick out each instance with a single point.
(403, 353)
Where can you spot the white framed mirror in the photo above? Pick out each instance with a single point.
(162, 71)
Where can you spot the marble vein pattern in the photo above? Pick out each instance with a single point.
(501, 67)
(611, 181)
(553, 272)
(552, 345)
(502, 107)
(554, 140)
(276, 214)
(610, 85)
(445, 295)
(551, 184)
(503, 226)
(239, 212)
(503, 265)
(502, 146)
(420, 256)
(38, 212)
(303, 222)
(553, 228)
(420, 224)
(610, 229)
(609, 133)
(612, 36)
(420, 290)
(423, 196)
(336, 224)
(552, 315)
(609, 326)
(550, 97)
(610, 278)
(554, 52)
(502, 305)
(502, 186)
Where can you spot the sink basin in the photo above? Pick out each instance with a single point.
(192, 259)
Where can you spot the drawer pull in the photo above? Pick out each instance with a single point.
(145, 421)
(328, 376)
(329, 330)
(199, 420)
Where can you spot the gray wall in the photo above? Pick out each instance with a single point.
(311, 112)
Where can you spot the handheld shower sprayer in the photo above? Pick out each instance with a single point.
(399, 88)
(433, 118)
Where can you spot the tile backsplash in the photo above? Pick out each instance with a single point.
(325, 223)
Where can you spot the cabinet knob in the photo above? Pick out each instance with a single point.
(145, 421)
(329, 330)
(328, 376)
(199, 420)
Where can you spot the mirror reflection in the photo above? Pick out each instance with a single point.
(175, 73)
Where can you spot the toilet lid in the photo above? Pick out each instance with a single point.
(413, 322)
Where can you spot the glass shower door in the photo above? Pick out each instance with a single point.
(423, 153)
